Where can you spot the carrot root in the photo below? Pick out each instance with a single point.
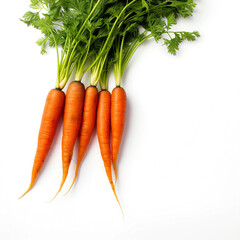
(61, 185)
(118, 111)
(71, 125)
(103, 132)
(50, 118)
(87, 127)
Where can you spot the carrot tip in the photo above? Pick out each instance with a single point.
(115, 194)
(23, 195)
(60, 188)
(74, 180)
(29, 188)
(55, 195)
(115, 173)
(115, 182)
(69, 188)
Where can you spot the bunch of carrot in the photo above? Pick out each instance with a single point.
(96, 35)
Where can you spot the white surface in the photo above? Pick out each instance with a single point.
(179, 170)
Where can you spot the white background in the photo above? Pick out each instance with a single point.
(179, 167)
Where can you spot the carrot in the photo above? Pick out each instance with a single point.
(103, 132)
(50, 118)
(118, 110)
(71, 124)
(88, 124)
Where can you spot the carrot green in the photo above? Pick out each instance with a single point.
(96, 29)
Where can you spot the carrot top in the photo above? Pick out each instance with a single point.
(100, 29)
(65, 27)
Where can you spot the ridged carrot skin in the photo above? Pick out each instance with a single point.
(71, 124)
(50, 118)
(88, 124)
(118, 112)
(103, 132)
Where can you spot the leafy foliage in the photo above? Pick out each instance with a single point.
(106, 31)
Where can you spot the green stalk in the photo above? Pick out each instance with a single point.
(89, 15)
(68, 73)
(65, 72)
(81, 63)
(104, 78)
(64, 50)
(109, 35)
(58, 64)
(119, 68)
(122, 62)
(129, 55)
(97, 70)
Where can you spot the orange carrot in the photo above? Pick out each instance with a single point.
(71, 124)
(103, 132)
(118, 110)
(88, 124)
(50, 118)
